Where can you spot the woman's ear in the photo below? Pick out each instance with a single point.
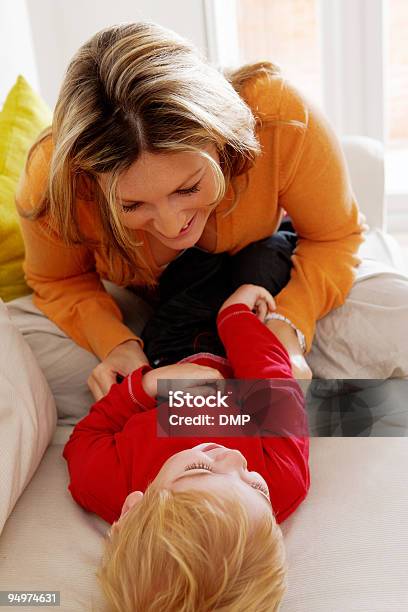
(133, 498)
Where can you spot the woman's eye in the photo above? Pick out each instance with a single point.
(193, 189)
(131, 207)
(198, 466)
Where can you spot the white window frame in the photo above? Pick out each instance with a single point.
(353, 44)
(352, 51)
(220, 22)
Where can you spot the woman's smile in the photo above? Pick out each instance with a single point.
(184, 230)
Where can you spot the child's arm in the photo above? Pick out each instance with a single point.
(252, 349)
(97, 475)
(110, 414)
(256, 353)
(97, 480)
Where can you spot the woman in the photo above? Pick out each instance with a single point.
(152, 151)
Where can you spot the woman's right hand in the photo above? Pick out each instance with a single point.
(122, 360)
(188, 373)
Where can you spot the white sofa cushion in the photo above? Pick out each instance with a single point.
(27, 414)
(365, 161)
(346, 544)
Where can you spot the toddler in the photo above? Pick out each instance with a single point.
(195, 522)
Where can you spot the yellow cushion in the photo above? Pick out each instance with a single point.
(23, 117)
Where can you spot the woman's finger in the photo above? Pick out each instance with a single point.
(205, 391)
(95, 388)
(262, 310)
(103, 378)
(267, 296)
(271, 304)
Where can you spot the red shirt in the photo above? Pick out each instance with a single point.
(115, 450)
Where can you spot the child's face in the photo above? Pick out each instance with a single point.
(215, 468)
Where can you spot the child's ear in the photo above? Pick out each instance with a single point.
(133, 498)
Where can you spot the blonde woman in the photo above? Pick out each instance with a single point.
(153, 150)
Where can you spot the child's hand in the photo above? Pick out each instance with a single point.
(255, 297)
(184, 373)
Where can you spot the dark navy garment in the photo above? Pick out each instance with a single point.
(194, 286)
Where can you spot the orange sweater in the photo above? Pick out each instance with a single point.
(301, 170)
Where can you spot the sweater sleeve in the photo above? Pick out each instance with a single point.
(316, 192)
(97, 479)
(66, 285)
(252, 348)
(278, 405)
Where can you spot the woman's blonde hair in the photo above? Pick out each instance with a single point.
(192, 551)
(135, 88)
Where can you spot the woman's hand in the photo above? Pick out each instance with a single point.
(185, 373)
(257, 298)
(287, 335)
(122, 360)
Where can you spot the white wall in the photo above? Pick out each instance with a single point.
(16, 49)
(59, 27)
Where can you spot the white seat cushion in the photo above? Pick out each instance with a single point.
(27, 414)
(346, 544)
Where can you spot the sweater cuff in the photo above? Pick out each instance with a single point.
(230, 312)
(304, 322)
(134, 387)
(105, 331)
(106, 342)
(233, 310)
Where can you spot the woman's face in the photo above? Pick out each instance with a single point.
(211, 467)
(161, 193)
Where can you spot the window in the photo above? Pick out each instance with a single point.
(286, 33)
(349, 56)
(397, 98)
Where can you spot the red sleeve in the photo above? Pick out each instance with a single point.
(252, 348)
(255, 352)
(97, 479)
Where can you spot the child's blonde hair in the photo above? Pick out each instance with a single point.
(193, 551)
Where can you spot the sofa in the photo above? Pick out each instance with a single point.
(347, 544)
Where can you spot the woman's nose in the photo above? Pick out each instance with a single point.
(230, 458)
(168, 221)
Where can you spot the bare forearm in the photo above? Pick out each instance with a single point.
(287, 335)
